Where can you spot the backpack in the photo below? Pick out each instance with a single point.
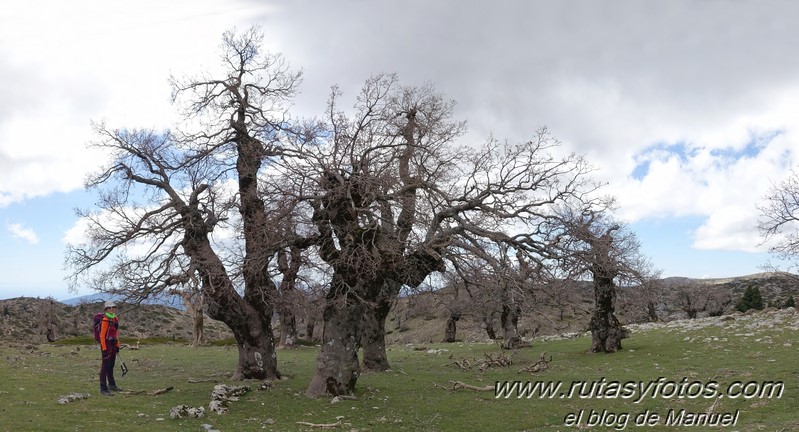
(98, 321)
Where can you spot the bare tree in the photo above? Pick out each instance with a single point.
(596, 245)
(233, 124)
(694, 297)
(395, 193)
(642, 302)
(46, 319)
(779, 222)
(191, 294)
(289, 261)
(455, 300)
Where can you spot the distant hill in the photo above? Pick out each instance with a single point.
(34, 320)
(172, 301)
(415, 318)
(422, 317)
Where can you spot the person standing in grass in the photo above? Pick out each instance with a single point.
(109, 343)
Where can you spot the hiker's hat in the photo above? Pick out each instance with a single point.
(109, 304)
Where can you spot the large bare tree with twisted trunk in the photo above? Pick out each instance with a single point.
(396, 192)
(592, 243)
(162, 196)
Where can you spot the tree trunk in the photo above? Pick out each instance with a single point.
(199, 329)
(310, 326)
(289, 265)
(606, 331)
(652, 312)
(248, 319)
(451, 327)
(509, 318)
(510, 325)
(288, 329)
(373, 335)
(193, 301)
(254, 337)
(337, 366)
(488, 324)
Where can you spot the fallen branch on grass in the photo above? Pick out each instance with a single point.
(458, 385)
(539, 365)
(501, 360)
(161, 391)
(321, 425)
(463, 365)
(141, 392)
(201, 380)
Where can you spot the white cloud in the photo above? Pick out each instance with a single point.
(67, 64)
(725, 188)
(610, 79)
(23, 233)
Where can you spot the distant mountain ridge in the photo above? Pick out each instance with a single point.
(172, 301)
(417, 318)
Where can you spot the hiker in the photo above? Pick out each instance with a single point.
(109, 343)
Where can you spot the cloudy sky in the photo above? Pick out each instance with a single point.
(688, 109)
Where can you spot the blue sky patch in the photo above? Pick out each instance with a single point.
(662, 152)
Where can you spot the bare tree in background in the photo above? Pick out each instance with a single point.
(46, 319)
(233, 124)
(395, 193)
(191, 294)
(696, 296)
(643, 303)
(455, 300)
(470, 290)
(594, 244)
(289, 261)
(779, 222)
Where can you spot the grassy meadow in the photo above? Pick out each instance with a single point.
(416, 395)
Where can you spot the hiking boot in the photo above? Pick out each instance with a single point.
(114, 388)
(105, 392)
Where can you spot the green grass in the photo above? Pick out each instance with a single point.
(89, 340)
(404, 399)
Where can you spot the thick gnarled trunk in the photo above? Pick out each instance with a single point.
(509, 318)
(254, 337)
(606, 331)
(337, 366)
(373, 335)
(257, 358)
(488, 325)
(288, 330)
(510, 326)
(373, 332)
(250, 321)
(451, 327)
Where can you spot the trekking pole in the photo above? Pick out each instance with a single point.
(122, 367)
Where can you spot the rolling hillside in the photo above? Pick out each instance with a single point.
(418, 318)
